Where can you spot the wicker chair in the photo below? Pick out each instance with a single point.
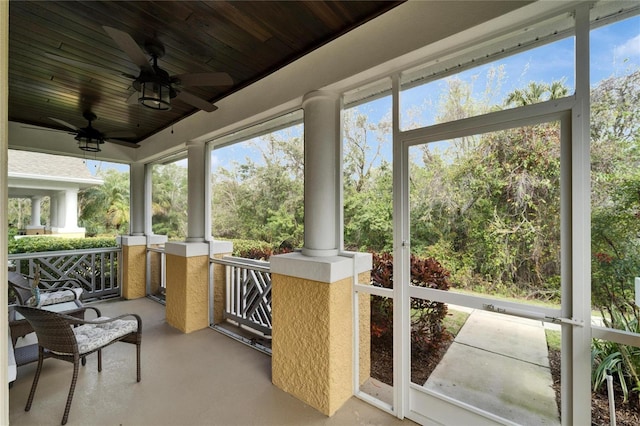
(53, 292)
(69, 339)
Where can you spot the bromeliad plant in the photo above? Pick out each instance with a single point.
(621, 360)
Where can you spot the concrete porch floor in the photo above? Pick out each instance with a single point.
(202, 378)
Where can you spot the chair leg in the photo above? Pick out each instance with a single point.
(67, 407)
(138, 361)
(35, 379)
(99, 360)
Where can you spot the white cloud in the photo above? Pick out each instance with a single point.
(215, 161)
(629, 49)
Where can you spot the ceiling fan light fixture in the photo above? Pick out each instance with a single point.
(89, 144)
(155, 95)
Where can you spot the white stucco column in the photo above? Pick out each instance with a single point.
(71, 208)
(321, 173)
(65, 220)
(61, 205)
(35, 210)
(197, 196)
(53, 211)
(137, 196)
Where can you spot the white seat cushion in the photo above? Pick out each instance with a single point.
(93, 336)
(55, 297)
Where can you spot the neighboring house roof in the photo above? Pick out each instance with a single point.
(35, 173)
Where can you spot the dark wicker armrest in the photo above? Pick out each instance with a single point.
(21, 287)
(82, 309)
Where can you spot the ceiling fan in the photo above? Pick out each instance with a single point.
(89, 138)
(155, 88)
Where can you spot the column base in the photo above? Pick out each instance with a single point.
(319, 252)
(313, 336)
(187, 293)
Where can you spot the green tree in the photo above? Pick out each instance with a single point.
(104, 209)
(19, 212)
(263, 200)
(169, 201)
(615, 172)
(487, 206)
(368, 182)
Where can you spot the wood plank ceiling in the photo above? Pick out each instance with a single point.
(246, 39)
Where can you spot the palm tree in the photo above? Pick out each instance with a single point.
(537, 92)
(105, 208)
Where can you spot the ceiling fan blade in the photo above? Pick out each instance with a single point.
(129, 46)
(124, 143)
(195, 101)
(133, 99)
(86, 66)
(42, 129)
(121, 134)
(204, 79)
(64, 123)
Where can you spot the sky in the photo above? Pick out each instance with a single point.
(615, 49)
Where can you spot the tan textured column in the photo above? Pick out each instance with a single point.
(313, 340)
(187, 294)
(134, 270)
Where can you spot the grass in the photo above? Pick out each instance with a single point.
(554, 340)
(454, 321)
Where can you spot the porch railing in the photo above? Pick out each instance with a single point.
(247, 292)
(156, 273)
(96, 269)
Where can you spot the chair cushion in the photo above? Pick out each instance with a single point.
(55, 297)
(93, 336)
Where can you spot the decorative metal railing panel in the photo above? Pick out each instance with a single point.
(248, 292)
(97, 270)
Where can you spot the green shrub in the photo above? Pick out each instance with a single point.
(260, 250)
(43, 243)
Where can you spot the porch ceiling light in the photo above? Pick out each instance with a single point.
(154, 88)
(89, 143)
(155, 95)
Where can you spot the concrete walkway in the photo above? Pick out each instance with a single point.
(500, 364)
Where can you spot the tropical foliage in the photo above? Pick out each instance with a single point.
(105, 208)
(169, 201)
